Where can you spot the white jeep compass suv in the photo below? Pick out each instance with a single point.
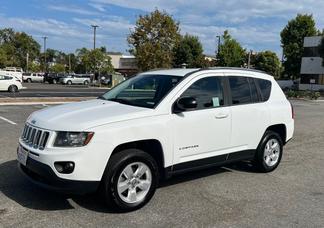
(153, 126)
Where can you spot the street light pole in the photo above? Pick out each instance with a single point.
(94, 35)
(218, 45)
(45, 64)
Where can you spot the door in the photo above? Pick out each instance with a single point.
(205, 131)
(249, 113)
(3, 83)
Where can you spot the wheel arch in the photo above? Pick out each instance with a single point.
(280, 129)
(151, 146)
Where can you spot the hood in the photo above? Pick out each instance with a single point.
(82, 115)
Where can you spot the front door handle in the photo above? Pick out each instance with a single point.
(221, 115)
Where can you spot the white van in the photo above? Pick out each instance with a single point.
(155, 125)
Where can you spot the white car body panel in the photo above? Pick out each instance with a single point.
(5, 83)
(114, 124)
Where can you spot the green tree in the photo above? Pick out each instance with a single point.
(231, 53)
(269, 62)
(95, 61)
(153, 40)
(292, 39)
(57, 68)
(34, 67)
(15, 46)
(189, 51)
(321, 50)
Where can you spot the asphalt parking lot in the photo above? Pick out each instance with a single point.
(55, 90)
(231, 196)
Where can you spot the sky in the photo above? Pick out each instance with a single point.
(256, 24)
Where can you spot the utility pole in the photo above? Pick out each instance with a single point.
(27, 59)
(94, 35)
(45, 64)
(249, 59)
(69, 63)
(218, 45)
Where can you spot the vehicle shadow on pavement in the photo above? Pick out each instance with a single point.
(18, 188)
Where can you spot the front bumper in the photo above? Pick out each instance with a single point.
(43, 175)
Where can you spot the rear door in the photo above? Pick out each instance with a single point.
(249, 113)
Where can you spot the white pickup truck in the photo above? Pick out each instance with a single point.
(33, 77)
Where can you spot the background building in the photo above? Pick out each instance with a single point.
(312, 70)
(124, 64)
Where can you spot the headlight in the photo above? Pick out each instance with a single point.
(72, 139)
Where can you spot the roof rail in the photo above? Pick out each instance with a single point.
(233, 68)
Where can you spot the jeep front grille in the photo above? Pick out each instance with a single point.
(35, 137)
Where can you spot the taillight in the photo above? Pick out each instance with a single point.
(292, 111)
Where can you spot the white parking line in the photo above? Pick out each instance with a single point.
(9, 121)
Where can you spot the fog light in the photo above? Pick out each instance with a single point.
(64, 167)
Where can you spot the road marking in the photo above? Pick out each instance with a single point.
(9, 121)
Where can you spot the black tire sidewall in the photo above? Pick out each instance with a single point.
(69, 83)
(12, 89)
(114, 171)
(260, 151)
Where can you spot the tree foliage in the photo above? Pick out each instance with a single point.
(231, 53)
(189, 51)
(94, 61)
(292, 39)
(14, 47)
(57, 68)
(267, 61)
(153, 40)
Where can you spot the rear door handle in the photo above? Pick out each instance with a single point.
(221, 115)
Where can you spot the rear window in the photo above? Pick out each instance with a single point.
(265, 87)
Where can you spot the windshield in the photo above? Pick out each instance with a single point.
(143, 90)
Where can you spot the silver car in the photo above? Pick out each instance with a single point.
(75, 79)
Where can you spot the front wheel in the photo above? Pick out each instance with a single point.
(130, 179)
(269, 152)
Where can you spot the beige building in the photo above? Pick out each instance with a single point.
(124, 64)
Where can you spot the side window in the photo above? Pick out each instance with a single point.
(207, 91)
(254, 91)
(240, 90)
(265, 87)
(7, 78)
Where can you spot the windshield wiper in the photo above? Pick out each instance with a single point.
(120, 100)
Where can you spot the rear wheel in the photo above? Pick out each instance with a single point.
(130, 179)
(13, 89)
(86, 82)
(269, 152)
(29, 80)
(54, 81)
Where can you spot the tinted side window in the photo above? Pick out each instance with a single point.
(265, 87)
(207, 91)
(254, 91)
(240, 90)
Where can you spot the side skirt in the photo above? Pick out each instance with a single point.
(219, 160)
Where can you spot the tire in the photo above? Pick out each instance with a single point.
(13, 89)
(85, 82)
(54, 81)
(123, 198)
(269, 152)
(29, 80)
(69, 82)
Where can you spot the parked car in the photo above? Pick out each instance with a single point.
(106, 79)
(155, 125)
(53, 78)
(10, 83)
(75, 79)
(12, 71)
(33, 77)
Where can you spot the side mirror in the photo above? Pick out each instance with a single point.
(184, 103)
